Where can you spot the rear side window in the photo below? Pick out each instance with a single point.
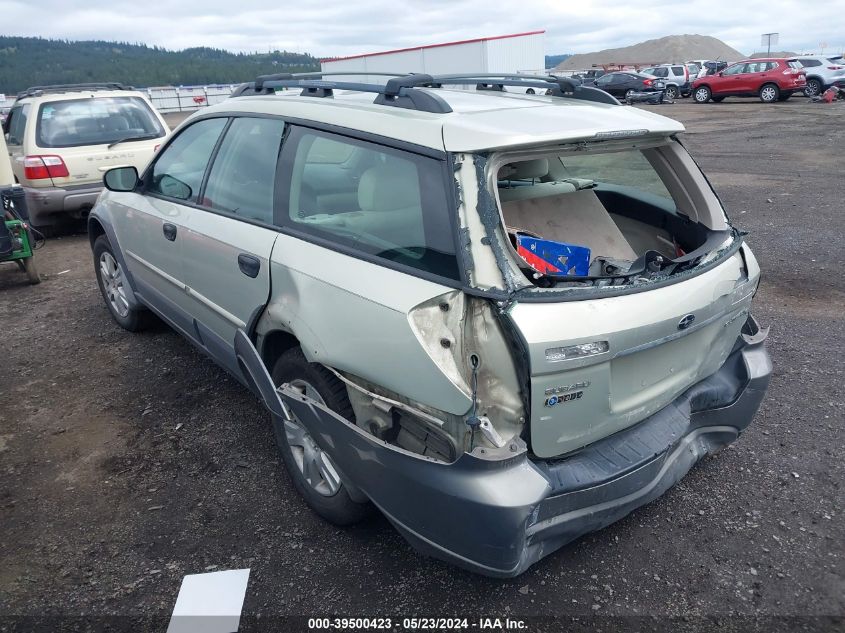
(377, 200)
(808, 63)
(661, 72)
(179, 169)
(242, 178)
(95, 121)
(17, 124)
(678, 70)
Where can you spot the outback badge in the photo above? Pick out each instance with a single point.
(565, 393)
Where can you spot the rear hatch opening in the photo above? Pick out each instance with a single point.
(593, 217)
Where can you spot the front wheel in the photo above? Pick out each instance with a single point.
(671, 92)
(702, 94)
(769, 93)
(112, 281)
(314, 474)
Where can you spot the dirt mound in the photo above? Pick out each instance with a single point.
(672, 48)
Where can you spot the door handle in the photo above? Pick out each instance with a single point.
(249, 265)
(169, 231)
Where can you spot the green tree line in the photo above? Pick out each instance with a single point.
(34, 61)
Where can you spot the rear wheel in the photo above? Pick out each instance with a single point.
(702, 94)
(769, 93)
(813, 87)
(31, 270)
(628, 95)
(313, 472)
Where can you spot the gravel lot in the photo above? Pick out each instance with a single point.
(128, 461)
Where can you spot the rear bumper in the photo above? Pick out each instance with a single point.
(498, 512)
(44, 202)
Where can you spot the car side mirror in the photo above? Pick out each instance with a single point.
(721, 74)
(121, 179)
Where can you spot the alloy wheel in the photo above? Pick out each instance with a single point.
(315, 465)
(702, 95)
(813, 88)
(111, 274)
(768, 93)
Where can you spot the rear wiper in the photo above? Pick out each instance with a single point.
(139, 137)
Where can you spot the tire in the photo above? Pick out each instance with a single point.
(628, 94)
(31, 271)
(321, 489)
(718, 99)
(127, 317)
(769, 93)
(702, 94)
(671, 92)
(813, 88)
(530, 91)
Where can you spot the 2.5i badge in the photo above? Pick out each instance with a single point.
(565, 393)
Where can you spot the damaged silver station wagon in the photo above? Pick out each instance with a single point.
(503, 319)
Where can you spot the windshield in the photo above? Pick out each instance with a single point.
(95, 121)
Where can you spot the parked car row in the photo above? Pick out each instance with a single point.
(769, 79)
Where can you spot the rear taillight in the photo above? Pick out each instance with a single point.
(40, 167)
(648, 82)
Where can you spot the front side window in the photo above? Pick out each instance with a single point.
(241, 181)
(95, 121)
(380, 201)
(17, 124)
(179, 169)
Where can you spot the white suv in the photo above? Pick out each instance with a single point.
(63, 138)
(504, 320)
(676, 76)
(821, 73)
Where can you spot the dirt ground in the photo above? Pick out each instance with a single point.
(130, 460)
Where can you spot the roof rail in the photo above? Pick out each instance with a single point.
(399, 90)
(57, 88)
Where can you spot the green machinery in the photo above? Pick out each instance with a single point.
(21, 249)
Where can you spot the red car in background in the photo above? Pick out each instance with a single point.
(769, 79)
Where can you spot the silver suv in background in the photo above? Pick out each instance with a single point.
(501, 322)
(676, 77)
(821, 73)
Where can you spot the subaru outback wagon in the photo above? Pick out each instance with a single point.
(504, 320)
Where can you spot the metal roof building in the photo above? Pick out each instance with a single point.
(515, 53)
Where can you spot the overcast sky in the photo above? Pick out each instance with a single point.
(341, 27)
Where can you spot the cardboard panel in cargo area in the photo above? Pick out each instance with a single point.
(575, 218)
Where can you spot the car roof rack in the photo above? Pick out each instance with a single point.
(399, 91)
(57, 88)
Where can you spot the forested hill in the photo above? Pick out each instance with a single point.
(32, 61)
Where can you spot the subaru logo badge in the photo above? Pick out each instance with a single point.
(684, 323)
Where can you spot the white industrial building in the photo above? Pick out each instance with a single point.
(517, 53)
